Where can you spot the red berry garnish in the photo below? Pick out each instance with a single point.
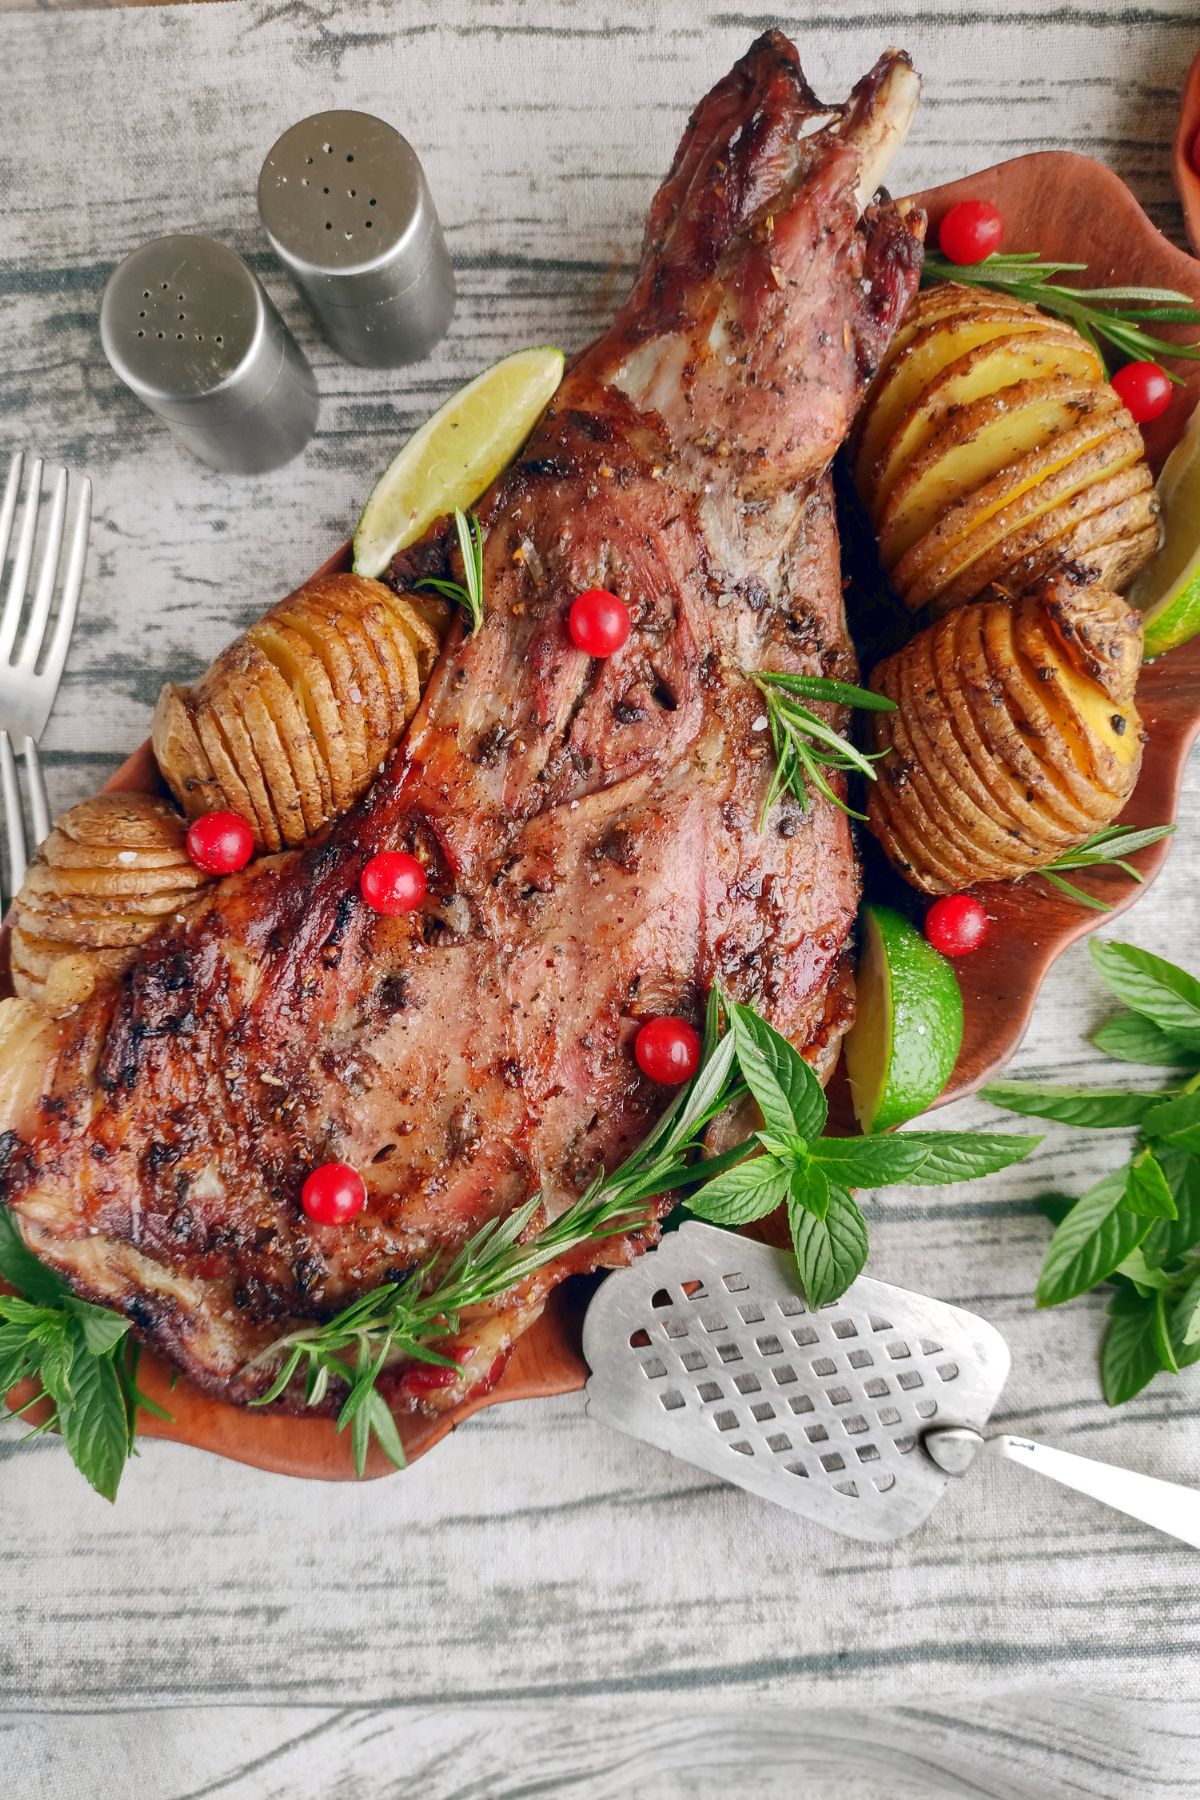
(956, 925)
(333, 1194)
(598, 622)
(1145, 389)
(393, 882)
(668, 1050)
(220, 843)
(970, 231)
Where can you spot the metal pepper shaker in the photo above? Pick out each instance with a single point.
(186, 326)
(345, 202)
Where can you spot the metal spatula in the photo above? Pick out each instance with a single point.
(855, 1414)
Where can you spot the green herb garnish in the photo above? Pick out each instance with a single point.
(467, 593)
(1110, 846)
(80, 1358)
(788, 1162)
(1138, 1227)
(1095, 312)
(805, 746)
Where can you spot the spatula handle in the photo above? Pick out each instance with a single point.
(1166, 1505)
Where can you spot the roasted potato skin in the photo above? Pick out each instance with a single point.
(1015, 735)
(112, 872)
(991, 449)
(290, 724)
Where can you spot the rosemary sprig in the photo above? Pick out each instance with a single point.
(1095, 312)
(790, 1161)
(467, 593)
(805, 746)
(1110, 846)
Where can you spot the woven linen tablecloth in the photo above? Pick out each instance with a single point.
(543, 1606)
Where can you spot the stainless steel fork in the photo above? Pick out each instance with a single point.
(45, 557)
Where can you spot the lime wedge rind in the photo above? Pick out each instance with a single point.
(456, 454)
(1167, 592)
(902, 1048)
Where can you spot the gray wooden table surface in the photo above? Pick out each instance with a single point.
(541, 1606)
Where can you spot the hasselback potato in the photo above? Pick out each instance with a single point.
(992, 449)
(1015, 737)
(112, 872)
(291, 722)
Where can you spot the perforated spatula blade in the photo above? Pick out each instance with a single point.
(855, 1414)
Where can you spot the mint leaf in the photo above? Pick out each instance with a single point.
(809, 1189)
(1132, 1353)
(1157, 989)
(789, 1095)
(102, 1329)
(1169, 1239)
(1184, 1325)
(21, 1268)
(830, 1252)
(963, 1155)
(1136, 1269)
(749, 1191)
(869, 1161)
(1131, 1038)
(95, 1425)
(1146, 1190)
(1101, 1108)
(1177, 1120)
(1096, 1235)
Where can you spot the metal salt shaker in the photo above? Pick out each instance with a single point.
(186, 326)
(347, 207)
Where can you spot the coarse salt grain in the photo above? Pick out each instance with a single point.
(760, 724)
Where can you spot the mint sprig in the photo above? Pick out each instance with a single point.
(1138, 1227)
(79, 1357)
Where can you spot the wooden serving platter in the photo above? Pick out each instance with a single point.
(1065, 206)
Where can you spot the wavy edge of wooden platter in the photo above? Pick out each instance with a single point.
(1062, 204)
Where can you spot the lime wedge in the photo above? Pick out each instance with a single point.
(450, 459)
(1167, 592)
(902, 1048)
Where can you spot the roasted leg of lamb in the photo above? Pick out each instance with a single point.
(590, 828)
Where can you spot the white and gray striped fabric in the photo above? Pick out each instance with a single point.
(541, 1606)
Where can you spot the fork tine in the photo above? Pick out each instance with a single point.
(14, 825)
(43, 597)
(39, 805)
(77, 545)
(8, 506)
(14, 599)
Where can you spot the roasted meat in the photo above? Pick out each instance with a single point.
(590, 828)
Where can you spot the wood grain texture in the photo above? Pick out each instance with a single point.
(543, 1605)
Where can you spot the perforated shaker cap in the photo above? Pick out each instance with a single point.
(346, 205)
(187, 326)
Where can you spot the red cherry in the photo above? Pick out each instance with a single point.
(668, 1050)
(393, 882)
(598, 622)
(220, 843)
(956, 925)
(1145, 389)
(970, 231)
(333, 1194)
